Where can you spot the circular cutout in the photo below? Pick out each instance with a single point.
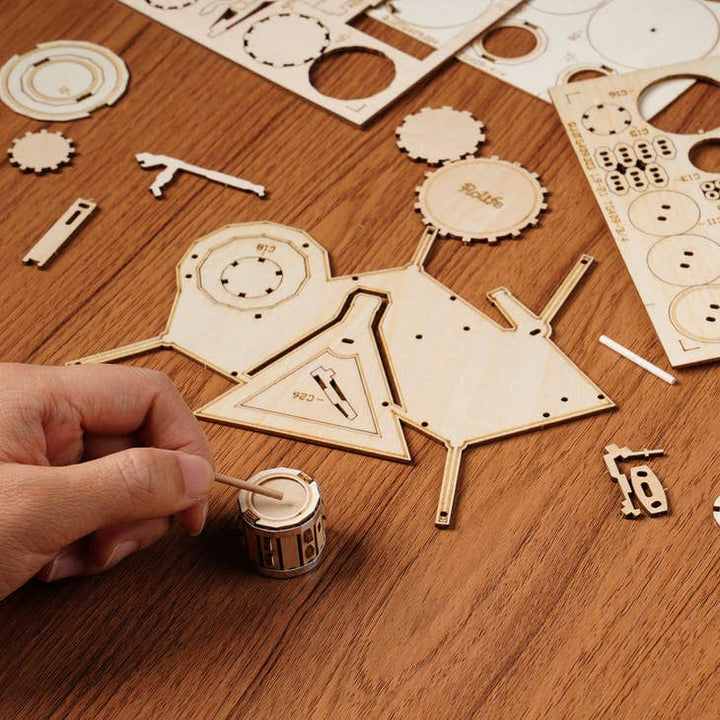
(703, 96)
(41, 151)
(511, 42)
(705, 156)
(716, 511)
(564, 7)
(578, 73)
(695, 312)
(352, 73)
(440, 134)
(664, 212)
(481, 199)
(63, 80)
(286, 40)
(233, 273)
(661, 32)
(252, 277)
(430, 14)
(685, 260)
(606, 119)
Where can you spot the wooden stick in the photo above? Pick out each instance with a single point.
(250, 487)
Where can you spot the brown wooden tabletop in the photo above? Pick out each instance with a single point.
(540, 601)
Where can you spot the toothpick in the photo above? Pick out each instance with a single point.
(251, 487)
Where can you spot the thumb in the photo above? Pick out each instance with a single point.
(67, 503)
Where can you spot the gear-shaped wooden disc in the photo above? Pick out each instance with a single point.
(481, 199)
(41, 151)
(438, 135)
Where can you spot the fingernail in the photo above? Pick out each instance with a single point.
(202, 522)
(66, 565)
(198, 475)
(121, 551)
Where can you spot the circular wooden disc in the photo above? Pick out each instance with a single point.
(481, 199)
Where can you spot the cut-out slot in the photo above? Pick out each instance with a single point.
(389, 35)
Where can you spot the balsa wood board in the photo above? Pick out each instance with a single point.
(282, 40)
(572, 37)
(656, 202)
(342, 361)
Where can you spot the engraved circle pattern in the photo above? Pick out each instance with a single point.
(685, 260)
(664, 212)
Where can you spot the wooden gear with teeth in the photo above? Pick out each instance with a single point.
(437, 135)
(481, 199)
(346, 361)
(40, 152)
(662, 210)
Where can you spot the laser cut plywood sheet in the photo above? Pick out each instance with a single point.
(342, 361)
(572, 36)
(282, 40)
(663, 212)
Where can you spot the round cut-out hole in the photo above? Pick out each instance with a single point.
(352, 73)
(703, 97)
(587, 74)
(509, 41)
(705, 155)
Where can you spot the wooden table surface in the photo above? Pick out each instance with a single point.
(541, 601)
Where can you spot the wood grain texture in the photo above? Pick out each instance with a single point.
(541, 602)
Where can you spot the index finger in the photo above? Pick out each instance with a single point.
(117, 400)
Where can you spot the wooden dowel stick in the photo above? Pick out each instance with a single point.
(251, 487)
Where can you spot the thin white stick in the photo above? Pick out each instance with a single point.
(632, 357)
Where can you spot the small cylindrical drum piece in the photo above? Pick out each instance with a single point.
(283, 538)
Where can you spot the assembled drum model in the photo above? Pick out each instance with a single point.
(283, 538)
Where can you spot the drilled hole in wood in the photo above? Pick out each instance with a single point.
(418, 337)
(536, 331)
(581, 75)
(704, 99)
(188, 276)
(546, 414)
(509, 41)
(352, 73)
(424, 423)
(705, 156)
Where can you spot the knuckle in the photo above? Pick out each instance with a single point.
(138, 473)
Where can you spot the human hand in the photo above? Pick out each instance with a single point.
(95, 461)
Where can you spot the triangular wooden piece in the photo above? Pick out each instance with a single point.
(332, 389)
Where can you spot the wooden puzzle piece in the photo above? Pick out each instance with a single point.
(652, 197)
(332, 389)
(62, 80)
(571, 38)
(438, 135)
(257, 302)
(283, 40)
(173, 166)
(61, 231)
(643, 482)
(40, 152)
(481, 199)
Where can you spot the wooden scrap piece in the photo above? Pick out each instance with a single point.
(173, 166)
(655, 202)
(283, 41)
(40, 152)
(567, 39)
(61, 231)
(643, 482)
